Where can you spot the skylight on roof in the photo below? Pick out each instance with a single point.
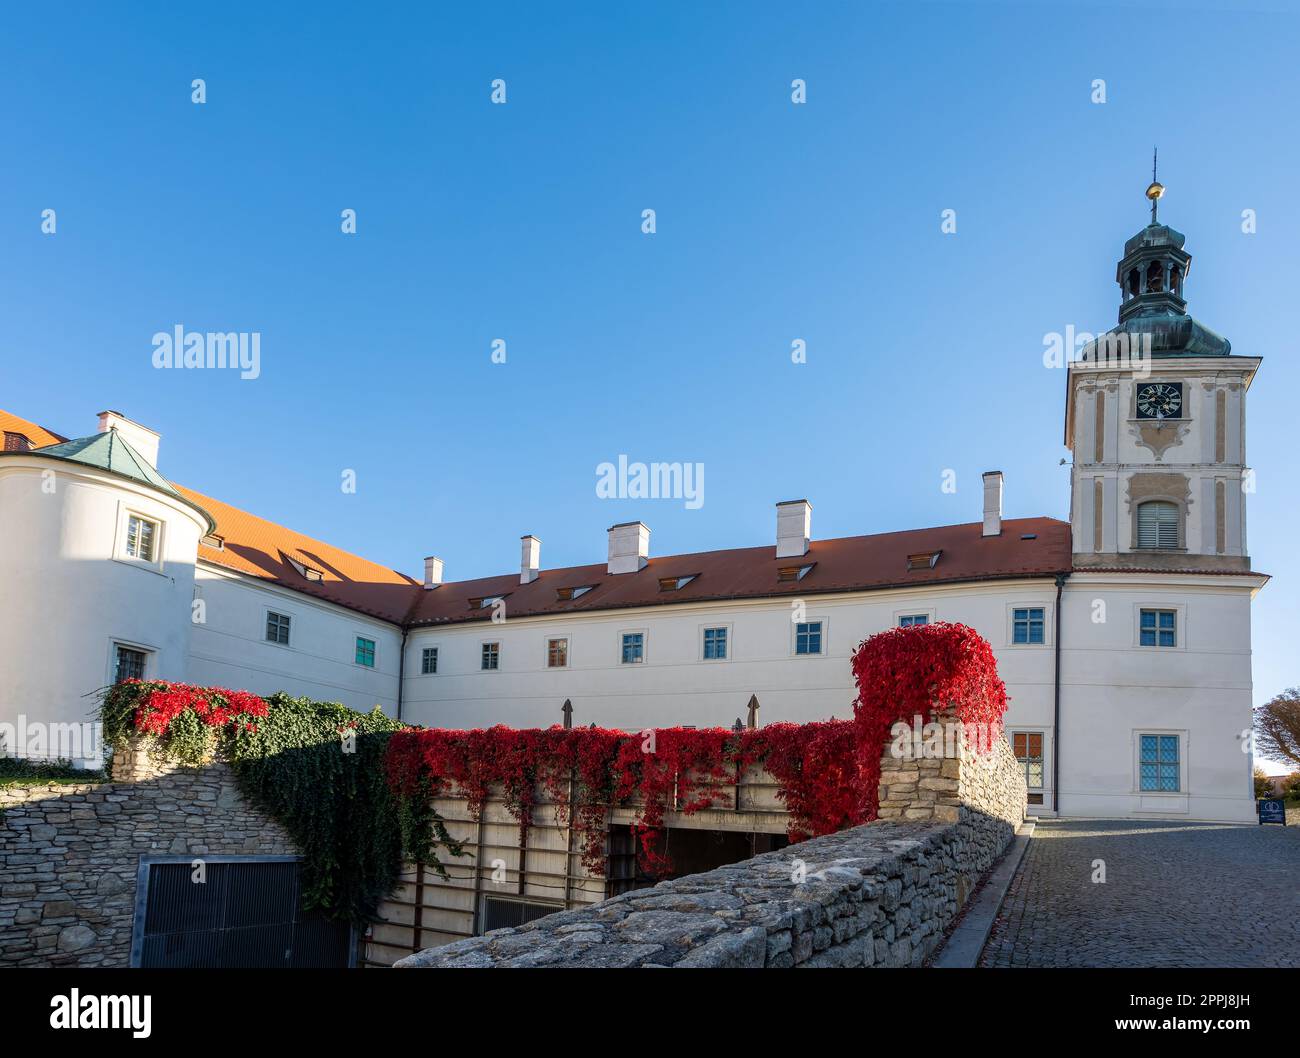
(565, 594)
(790, 573)
(923, 560)
(676, 583)
(479, 602)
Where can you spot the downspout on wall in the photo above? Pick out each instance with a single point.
(401, 673)
(1056, 701)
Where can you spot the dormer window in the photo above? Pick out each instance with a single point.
(478, 603)
(676, 583)
(566, 594)
(17, 442)
(923, 560)
(792, 573)
(307, 572)
(212, 540)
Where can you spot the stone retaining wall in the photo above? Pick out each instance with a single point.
(876, 895)
(69, 853)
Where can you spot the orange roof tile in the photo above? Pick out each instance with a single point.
(259, 548)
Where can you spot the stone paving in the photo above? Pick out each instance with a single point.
(1175, 894)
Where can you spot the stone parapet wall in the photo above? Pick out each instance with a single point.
(876, 895)
(69, 853)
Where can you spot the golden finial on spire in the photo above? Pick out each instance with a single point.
(1156, 189)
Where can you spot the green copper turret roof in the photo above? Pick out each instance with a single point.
(110, 451)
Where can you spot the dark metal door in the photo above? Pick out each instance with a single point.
(244, 913)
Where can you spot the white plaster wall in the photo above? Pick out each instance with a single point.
(69, 593)
(1114, 689)
(230, 648)
(676, 686)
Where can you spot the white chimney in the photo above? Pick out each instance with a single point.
(530, 560)
(793, 528)
(432, 572)
(992, 503)
(629, 547)
(141, 438)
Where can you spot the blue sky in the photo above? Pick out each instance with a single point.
(523, 222)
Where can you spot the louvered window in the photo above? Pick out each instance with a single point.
(1158, 526)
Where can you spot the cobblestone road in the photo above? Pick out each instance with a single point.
(1175, 894)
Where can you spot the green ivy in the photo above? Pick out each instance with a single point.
(317, 768)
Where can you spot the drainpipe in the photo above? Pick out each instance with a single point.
(1056, 702)
(401, 673)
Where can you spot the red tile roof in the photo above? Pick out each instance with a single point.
(855, 563)
(259, 548)
(263, 549)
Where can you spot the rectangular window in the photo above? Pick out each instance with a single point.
(1158, 628)
(715, 644)
(429, 661)
(557, 653)
(1158, 764)
(366, 652)
(910, 619)
(128, 664)
(1028, 747)
(1027, 625)
(808, 638)
(491, 657)
(277, 628)
(141, 538)
(633, 648)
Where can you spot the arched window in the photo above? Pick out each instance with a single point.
(1134, 282)
(1157, 525)
(1155, 277)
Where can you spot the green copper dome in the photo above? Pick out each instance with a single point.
(109, 451)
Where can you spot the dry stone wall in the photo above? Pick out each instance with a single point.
(69, 853)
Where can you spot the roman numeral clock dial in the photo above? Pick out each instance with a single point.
(1160, 400)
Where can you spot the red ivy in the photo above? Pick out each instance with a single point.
(161, 702)
(908, 672)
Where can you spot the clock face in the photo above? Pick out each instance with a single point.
(1160, 400)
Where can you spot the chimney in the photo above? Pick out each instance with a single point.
(432, 572)
(992, 503)
(530, 560)
(629, 547)
(793, 528)
(141, 438)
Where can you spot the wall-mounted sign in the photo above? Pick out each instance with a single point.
(1271, 810)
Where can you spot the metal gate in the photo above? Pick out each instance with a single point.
(245, 912)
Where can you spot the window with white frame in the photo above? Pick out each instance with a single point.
(1027, 624)
(633, 648)
(128, 663)
(277, 627)
(490, 658)
(429, 661)
(908, 620)
(1158, 763)
(715, 644)
(557, 653)
(141, 538)
(808, 637)
(1158, 628)
(1157, 525)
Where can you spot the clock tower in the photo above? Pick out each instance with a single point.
(1156, 421)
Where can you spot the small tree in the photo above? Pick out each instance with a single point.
(1291, 786)
(1277, 726)
(1263, 783)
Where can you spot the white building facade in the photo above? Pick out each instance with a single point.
(1123, 635)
